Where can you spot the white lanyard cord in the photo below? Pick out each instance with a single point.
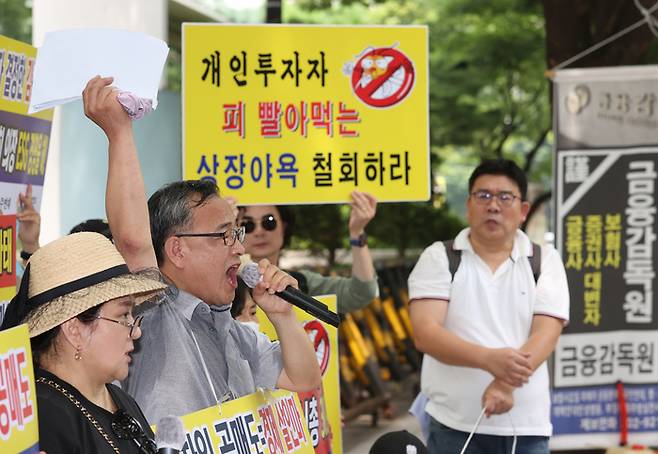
(511, 421)
(205, 369)
(475, 427)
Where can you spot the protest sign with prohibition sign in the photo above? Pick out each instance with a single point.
(320, 338)
(382, 77)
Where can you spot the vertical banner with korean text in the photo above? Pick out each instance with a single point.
(606, 128)
(23, 138)
(307, 114)
(321, 406)
(19, 428)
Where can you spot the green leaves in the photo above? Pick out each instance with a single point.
(16, 20)
(488, 97)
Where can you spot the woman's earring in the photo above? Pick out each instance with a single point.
(77, 355)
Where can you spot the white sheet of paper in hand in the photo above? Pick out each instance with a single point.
(69, 58)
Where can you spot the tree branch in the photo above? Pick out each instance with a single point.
(532, 153)
(507, 132)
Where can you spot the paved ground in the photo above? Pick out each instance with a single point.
(359, 434)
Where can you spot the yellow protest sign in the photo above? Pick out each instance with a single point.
(24, 138)
(279, 114)
(322, 406)
(7, 261)
(264, 422)
(16, 73)
(19, 427)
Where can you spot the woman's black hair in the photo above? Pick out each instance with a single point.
(288, 219)
(42, 343)
(240, 298)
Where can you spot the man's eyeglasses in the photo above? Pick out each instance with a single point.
(267, 222)
(483, 197)
(136, 323)
(126, 427)
(229, 237)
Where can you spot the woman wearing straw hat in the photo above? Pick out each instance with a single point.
(77, 297)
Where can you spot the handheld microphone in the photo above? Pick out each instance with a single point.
(248, 271)
(170, 435)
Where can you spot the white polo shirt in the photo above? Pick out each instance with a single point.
(494, 310)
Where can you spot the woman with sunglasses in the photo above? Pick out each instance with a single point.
(77, 298)
(269, 229)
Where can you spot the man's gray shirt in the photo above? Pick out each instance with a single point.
(167, 375)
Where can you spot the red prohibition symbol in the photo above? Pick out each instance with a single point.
(383, 77)
(320, 338)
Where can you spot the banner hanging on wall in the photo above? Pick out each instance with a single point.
(605, 167)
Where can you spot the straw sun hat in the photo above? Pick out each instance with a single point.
(71, 275)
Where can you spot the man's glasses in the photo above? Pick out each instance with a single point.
(267, 222)
(505, 199)
(126, 427)
(229, 237)
(136, 323)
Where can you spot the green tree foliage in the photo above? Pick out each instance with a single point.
(16, 20)
(320, 228)
(402, 226)
(488, 97)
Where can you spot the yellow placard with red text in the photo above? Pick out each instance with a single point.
(18, 59)
(7, 261)
(322, 406)
(19, 427)
(281, 114)
(267, 422)
(24, 138)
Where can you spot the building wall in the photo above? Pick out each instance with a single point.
(148, 16)
(83, 157)
(71, 183)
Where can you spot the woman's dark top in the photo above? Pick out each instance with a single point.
(64, 429)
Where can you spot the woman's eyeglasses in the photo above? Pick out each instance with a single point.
(267, 222)
(126, 427)
(136, 323)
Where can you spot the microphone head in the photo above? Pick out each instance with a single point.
(248, 271)
(170, 433)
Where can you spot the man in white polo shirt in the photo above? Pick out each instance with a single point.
(486, 331)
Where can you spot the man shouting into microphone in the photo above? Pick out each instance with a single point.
(192, 354)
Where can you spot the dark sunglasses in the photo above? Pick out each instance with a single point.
(267, 222)
(126, 427)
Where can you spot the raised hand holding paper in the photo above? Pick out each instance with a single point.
(69, 58)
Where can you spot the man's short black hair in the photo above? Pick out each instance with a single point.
(170, 209)
(505, 167)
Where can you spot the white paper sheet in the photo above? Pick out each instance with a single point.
(69, 58)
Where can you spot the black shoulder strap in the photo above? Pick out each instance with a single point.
(535, 261)
(454, 258)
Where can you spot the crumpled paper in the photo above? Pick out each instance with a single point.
(135, 106)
